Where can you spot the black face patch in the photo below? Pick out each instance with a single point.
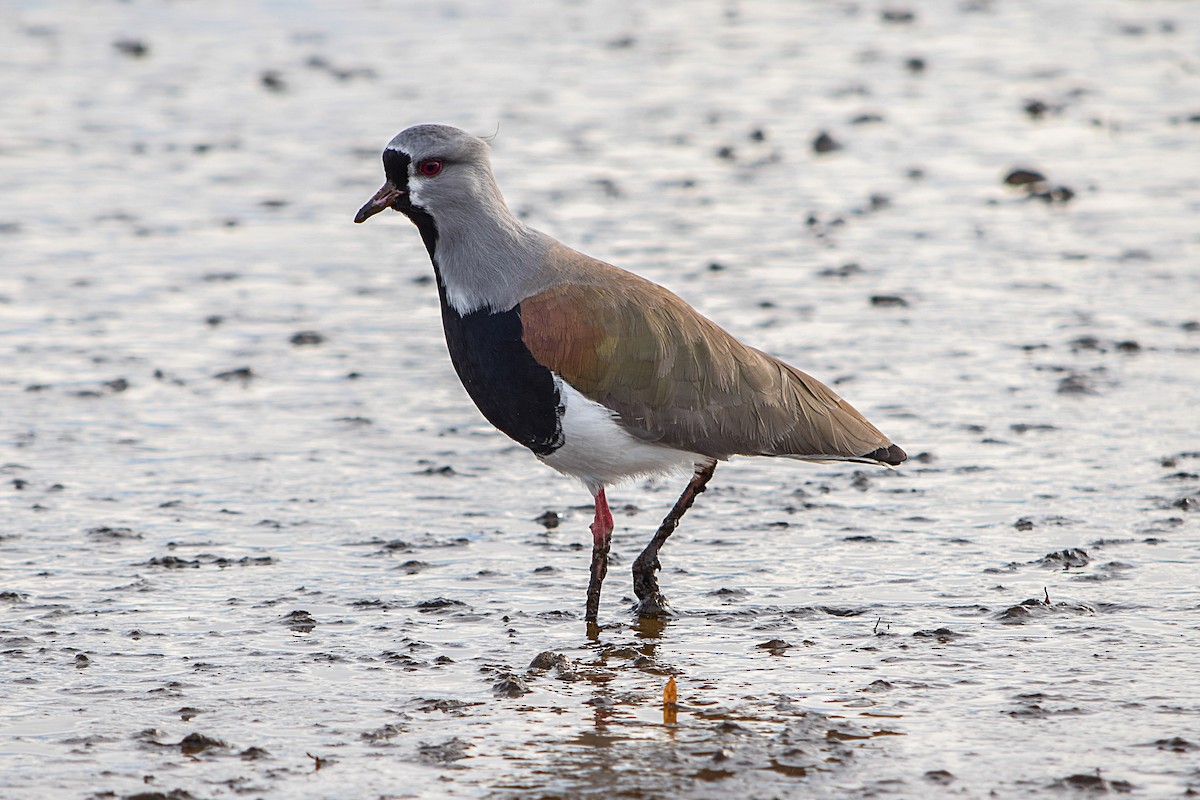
(395, 168)
(514, 392)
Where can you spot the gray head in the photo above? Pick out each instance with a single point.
(432, 169)
(441, 179)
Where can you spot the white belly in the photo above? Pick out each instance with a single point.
(599, 452)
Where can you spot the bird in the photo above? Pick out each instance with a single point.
(602, 374)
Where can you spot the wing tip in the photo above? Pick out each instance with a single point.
(891, 455)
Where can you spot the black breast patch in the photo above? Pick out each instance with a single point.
(514, 392)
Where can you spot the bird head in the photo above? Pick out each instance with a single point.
(432, 168)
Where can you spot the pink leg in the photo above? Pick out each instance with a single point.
(602, 528)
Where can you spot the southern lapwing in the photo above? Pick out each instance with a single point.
(602, 374)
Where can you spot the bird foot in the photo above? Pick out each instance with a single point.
(653, 606)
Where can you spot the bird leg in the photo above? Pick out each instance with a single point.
(650, 602)
(602, 528)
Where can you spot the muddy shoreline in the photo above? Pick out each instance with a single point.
(255, 540)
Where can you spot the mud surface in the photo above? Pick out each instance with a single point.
(255, 541)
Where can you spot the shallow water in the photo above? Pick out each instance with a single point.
(234, 564)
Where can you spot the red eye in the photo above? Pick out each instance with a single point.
(429, 168)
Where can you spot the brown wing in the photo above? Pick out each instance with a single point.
(674, 377)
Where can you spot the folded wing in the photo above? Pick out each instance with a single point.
(674, 377)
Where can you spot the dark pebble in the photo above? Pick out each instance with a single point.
(915, 65)
(240, 374)
(440, 603)
(1075, 384)
(775, 645)
(888, 301)
(115, 533)
(306, 338)
(548, 519)
(1065, 559)
(197, 743)
(547, 659)
(1036, 109)
(1059, 194)
(900, 15)
(1175, 744)
(727, 153)
(450, 750)
(300, 621)
(844, 271)
(1022, 177)
(173, 562)
(272, 81)
(941, 634)
(824, 143)
(134, 48)
(1092, 783)
(510, 686)
(1024, 427)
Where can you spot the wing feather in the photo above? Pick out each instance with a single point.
(674, 377)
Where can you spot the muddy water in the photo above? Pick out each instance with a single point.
(255, 541)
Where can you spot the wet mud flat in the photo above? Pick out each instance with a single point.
(254, 540)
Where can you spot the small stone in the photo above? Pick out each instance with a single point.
(510, 686)
(1022, 177)
(1036, 109)
(306, 338)
(548, 519)
(824, 143)
(134, 48)
(197, 743)
(243, 374)
(272, 81)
